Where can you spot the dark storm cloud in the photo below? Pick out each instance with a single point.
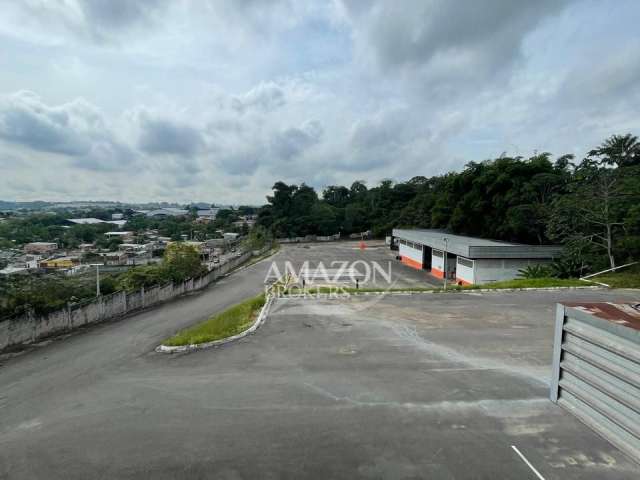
(166, 136)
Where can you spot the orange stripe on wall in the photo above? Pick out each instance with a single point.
(437, 273)
(411, 262)
(463, 281)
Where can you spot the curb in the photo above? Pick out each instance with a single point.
(262, 316)
(339, 295)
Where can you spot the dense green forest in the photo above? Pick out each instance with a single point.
(590, 205)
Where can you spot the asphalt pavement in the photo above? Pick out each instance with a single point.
(432, 386)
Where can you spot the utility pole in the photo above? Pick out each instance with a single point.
(97, 265)
(97, 280)
(445, 261)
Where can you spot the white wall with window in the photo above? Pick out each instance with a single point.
(465, 270)
(410, 250)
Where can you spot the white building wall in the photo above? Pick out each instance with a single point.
(464, 272)
(437, 262)
(412, 253)
(495, 270)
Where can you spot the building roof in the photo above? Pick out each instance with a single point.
(169, 211)
(10, 270)
(473, 247)
(119, 223)
(212, 212)
(41, 244)
(121, 234)
(85, 221)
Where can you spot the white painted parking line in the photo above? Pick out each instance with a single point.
(524, 459)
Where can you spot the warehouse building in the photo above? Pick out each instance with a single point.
(468, 260)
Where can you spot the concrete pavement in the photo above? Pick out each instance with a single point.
(434, 386)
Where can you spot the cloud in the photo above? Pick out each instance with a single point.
(388, 134)
(100, 21)
(294, 141)
(119, 14)
(76, 129)
(265, 96)
(218, 99)
(436, 42)
(168, 136)
(24, 119)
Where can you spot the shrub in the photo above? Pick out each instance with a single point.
(535, 271)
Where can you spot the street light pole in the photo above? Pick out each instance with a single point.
(445, 262)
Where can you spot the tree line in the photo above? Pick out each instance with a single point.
(590, 205)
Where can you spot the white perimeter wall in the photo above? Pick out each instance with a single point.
(412, 253)
(29, 328)
(495, 270)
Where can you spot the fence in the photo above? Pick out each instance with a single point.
(31, 328)
(310, 238)
(596, 370)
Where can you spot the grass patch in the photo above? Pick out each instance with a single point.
(625, 278)
(232, 321)
(530, 283)
(517, 283)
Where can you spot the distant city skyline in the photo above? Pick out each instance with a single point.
(172, 101)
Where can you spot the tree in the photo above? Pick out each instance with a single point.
(592, 210)
(258, 238)
(181, 261)
(336, 196)
(619, 150)
(358, 188)
(324, 218)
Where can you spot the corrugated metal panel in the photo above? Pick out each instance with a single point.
(515, 251)
(596, 375)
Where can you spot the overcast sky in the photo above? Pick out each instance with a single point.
(215, 100)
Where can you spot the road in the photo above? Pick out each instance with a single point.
(46, 387)
(317, 392)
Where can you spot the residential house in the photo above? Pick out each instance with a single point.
(40, 248)
(209, 215)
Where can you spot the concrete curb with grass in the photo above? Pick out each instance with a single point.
(236, 315)
(337, 293)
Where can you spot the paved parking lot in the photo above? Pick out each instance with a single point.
(436, 386)
(375, 258)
